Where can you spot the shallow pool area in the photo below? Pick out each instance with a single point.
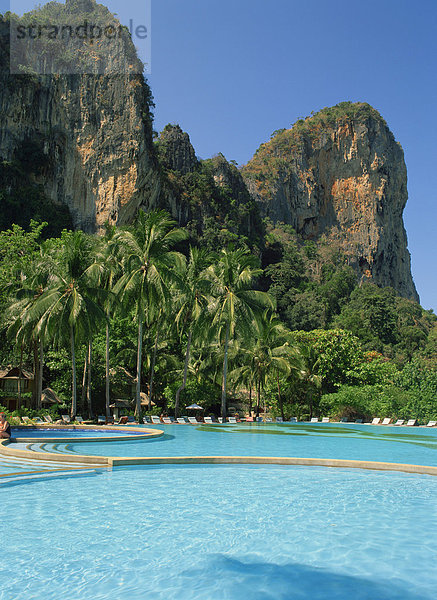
(234, 532)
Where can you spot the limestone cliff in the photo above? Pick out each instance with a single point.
(209, 197)
(92, 134)
(340, 174)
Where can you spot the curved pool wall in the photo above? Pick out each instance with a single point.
(274, 444)
(235, 532)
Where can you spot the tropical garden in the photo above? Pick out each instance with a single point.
(146, 314)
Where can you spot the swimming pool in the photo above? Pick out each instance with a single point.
(348, 442)
(209, 533)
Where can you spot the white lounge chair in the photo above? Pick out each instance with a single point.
(400, 422)
(269, 420)
(66, 419)
(386, 421)
(220, 419)
(293, 420)
(38, 421)
(431, 423)
(232, 420)
(166, 420)
(193, 421)
(155, 419)
(325, 419)
(79, 419)
(279, 420)
(181, 420)
(208, 420)
(259, 419)
(26, 420)
(314, 420)
(376, 421)
(411, 422)
(101, 420)
(48, 419)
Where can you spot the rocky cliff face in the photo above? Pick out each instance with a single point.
(92, 135)
(207, 196)
(340, 174)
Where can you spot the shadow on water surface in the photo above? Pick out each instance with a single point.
(240, 580)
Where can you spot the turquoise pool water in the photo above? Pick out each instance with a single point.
(69, 433)
(354, 442)
(221, 532)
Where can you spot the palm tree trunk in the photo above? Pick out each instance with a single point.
(184, 383)
(152, 370)
(88, 389)
(258, 397)
(73, 367)
(35, 374)
(250, 400)
(19, 376)
(139, 355)
(40, 373)
(281, 404)
(107, 401)
(225, 373)
(85, 371)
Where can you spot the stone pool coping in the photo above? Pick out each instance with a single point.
(6, 449)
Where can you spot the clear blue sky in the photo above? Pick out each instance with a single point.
(230, 72)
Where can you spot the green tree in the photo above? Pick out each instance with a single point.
(235, 305)
(148, 265)
(192, 303)
(68, 310)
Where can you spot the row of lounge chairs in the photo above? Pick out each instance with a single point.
(155, 420)
(399, 422)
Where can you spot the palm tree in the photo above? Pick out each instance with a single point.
(269, 352)
(68, 310)
(309, 374)
(23, 318)
(148, 266)
(192, 304)
(235, 305)
(104, 272)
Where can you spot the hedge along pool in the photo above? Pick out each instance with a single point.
(237, 532)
